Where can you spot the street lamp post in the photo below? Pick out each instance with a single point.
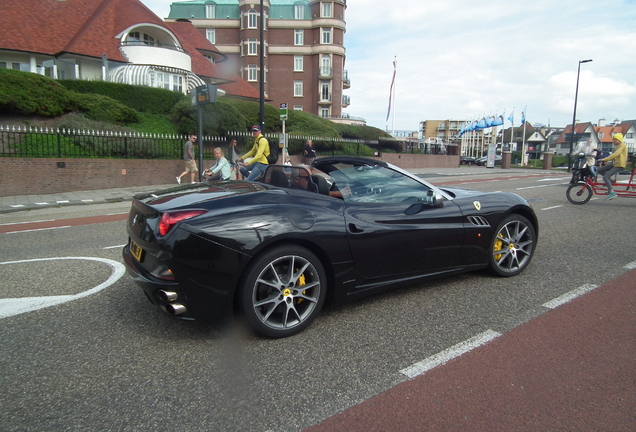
(576, 95)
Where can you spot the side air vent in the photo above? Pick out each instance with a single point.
(478, 221)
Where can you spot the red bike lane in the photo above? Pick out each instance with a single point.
(570, 369)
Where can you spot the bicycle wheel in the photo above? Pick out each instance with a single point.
(579, 194)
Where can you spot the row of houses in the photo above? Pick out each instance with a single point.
(201, 42)
(536, 139)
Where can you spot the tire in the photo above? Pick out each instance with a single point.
(512, 246)
(283, 291)
(578, 193)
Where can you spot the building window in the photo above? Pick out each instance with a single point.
(325, 67)
(324, 112)
(298, 107)
(601, 135)
(252, 47)
(326, 35)
(298, 88)
(252, 19)
(210, 11)
(299, 37)
(210, 35)
(326, 10)
(149, 40)
(298, 63)
(163, 80)
(177, 83)
(252, 73)
(629, 136)
(324, 92)
(134, 38)
(299, 11)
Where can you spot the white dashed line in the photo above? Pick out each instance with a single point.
(554, 303)
(550, 208)
(449, 354)
(39, 229)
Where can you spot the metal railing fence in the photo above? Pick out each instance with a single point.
(36, 142)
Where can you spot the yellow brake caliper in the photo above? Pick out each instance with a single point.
(301, 282)
(498, 247)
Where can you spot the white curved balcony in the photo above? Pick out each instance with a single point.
(157, 56)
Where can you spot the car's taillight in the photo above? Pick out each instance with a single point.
(168, 220)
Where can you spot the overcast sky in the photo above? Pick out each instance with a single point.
(462, 59)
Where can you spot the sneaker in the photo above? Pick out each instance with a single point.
(611, 195)
(178, 180)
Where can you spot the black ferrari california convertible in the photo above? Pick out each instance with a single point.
(276, 251)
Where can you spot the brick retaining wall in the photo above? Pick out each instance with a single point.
(40, 176)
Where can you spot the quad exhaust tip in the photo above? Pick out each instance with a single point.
(167, 296)
(175, 309)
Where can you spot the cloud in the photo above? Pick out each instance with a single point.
(459, 59)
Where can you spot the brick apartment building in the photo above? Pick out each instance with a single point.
(304, 54)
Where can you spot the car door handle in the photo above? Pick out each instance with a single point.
(354, 229)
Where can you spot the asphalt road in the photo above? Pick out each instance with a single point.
(110, 361)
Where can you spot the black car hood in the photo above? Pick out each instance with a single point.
(462, 193)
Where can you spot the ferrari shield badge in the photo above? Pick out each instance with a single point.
(477, 205)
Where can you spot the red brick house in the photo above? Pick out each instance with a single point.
(114, 40)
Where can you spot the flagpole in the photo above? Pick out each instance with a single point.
(391, 96)
(524, 157)
(393, 113)
(512, 129)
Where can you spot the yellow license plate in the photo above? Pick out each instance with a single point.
(136, 250)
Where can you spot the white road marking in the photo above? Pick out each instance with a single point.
(16, 205)
(449, 354)
(39, 229)
(631, 265)
(550, 179)
(20, 223)
(550, 208)
(554, 303)
(114, 247)
(87, 200)
(542, 186)
(63, 202)
(17, 306)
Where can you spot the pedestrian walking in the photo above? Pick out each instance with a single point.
(188, 157)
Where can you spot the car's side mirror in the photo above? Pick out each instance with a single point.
(431, 200)
(434, 200)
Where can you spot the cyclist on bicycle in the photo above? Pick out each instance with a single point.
(619, 161)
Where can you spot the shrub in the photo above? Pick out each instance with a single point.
(99, 107)
(28, 93)
(140, 98)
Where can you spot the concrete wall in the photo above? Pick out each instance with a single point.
(40, 176)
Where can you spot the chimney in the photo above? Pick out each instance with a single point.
(602, 122)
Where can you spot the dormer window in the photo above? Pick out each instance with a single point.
(299, 12)
(136, 38)
(210, 11)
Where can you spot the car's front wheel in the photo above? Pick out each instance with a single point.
(283, 291)
(512, 246)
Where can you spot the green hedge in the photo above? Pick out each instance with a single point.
(140, 98)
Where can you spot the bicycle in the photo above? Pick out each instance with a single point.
(581, 193)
